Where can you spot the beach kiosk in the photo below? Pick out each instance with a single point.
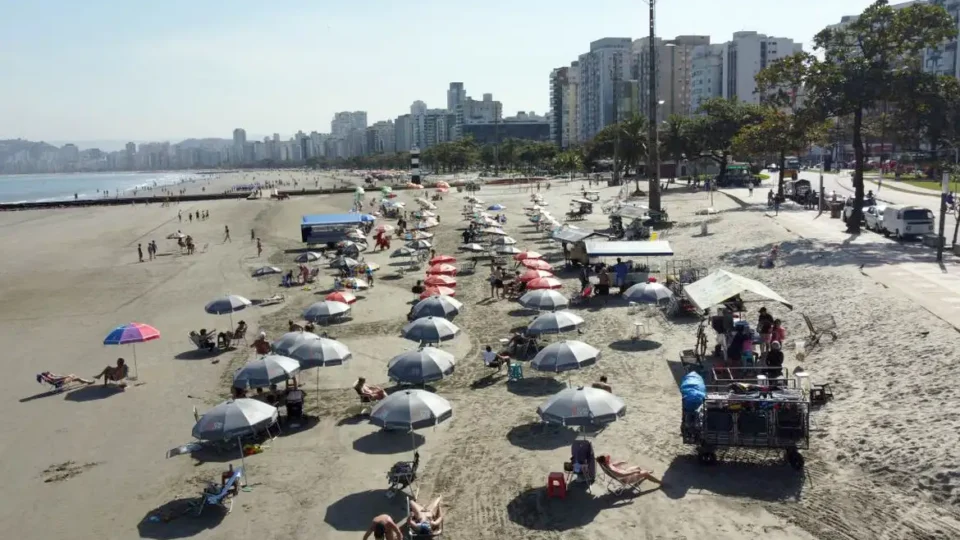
(331, 228)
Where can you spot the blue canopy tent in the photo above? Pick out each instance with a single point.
(330, 228)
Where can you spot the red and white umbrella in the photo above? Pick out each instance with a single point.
(536, 264)
(442, 184)
(437, 291)
(531, 275)
(384, 228)
(442, 259)
(527, 255)
(544, 283)
(440, 280)
(341, 296)
(442, 269)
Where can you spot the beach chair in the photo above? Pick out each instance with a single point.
(402, 476)
(195, 339)
(582, 466)
(414, 533)
(214, 497)
(57, 383)
(819, 326)
(615, 485)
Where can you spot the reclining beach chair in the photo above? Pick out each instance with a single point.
(617, 486)
(57, 383)
(415, 534)
(402, 475)
(221, 497)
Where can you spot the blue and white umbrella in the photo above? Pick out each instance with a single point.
(325, 310)
(437, 306)
(227, 305)
(496, 207)
(408, 410)
(430, 330)
(565, 356)
(583, 406)
(262, 372)
(556, 322)
(422, 366)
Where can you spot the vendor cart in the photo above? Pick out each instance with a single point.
(754, 413)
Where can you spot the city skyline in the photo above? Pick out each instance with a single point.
(79, 75)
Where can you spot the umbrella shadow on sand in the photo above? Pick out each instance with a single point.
(199, 354)
(765, 480)
(532, 509)
(635, 345)
(41, 395)
(343, 515)
(540, 436)
(178, 519)
(536, 386)
(93, 392)
(388, 442)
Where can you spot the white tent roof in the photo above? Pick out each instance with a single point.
(721, 285)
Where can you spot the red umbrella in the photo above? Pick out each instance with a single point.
(441, 259)
(544, 283)
(536, 264)
(341, 296)
(437, 291)
(527, 255)
(442, 269)
(440, 280)
(530, 275)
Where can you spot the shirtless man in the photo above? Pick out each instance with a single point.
(627, 473)
(383, 528)
(426, 520)
(114, 374)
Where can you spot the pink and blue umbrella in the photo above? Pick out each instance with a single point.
(131, 334)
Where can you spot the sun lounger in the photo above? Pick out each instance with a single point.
(273, 300)
(195, 338)
(57, 383)
(615, 484)
(222, 497)
(414, 533)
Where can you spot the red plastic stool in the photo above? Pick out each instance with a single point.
(556, 485)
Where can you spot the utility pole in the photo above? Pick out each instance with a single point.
(653, 143)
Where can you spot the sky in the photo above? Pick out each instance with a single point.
(166, 70)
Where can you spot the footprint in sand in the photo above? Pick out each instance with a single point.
(65, 471)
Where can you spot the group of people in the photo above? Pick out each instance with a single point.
(748, 348)
(151, 250)
(201, 215)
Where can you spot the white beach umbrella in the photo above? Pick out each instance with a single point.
(565, 356)
(437, 306)
(266, 270)
(408, 410)
(504, 241)
(325, 310)
(544, 299)
(648, 293)
(509, 250)
(430, 330)
(320, 352)
(583, 406)
(422, 366)
(476, 248)
(262, 372)
(554, 323)
(309, 256)
(227, 305)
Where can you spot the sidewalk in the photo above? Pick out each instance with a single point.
(910, 269)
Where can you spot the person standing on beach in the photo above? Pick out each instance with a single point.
(253, 236)
(226, 234)
(259, 248)
(140, 251)
(180, 215)
(190, 215)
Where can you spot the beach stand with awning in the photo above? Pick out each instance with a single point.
(722, 285)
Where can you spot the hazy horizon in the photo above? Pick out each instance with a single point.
(120, 71)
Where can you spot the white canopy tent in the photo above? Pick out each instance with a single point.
(721, 285)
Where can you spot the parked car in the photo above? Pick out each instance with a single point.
(907, 221)
(873, 218)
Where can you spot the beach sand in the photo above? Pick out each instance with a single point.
(882, 464)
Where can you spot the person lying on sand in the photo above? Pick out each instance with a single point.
(383, 528)
(626, 473)
(114, 374)
(426, 520)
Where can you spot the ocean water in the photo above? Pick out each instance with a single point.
(61, 187)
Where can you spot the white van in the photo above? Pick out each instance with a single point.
(905, 221)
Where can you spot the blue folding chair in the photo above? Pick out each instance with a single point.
(220, 498)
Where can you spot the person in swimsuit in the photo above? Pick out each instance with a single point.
(426, 520)
(627, 473)
(383, 528)
(114, 374)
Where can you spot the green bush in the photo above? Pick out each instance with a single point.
(763, 177)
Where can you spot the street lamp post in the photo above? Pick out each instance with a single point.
(653, 145)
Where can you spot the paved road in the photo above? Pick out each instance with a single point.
(843, 185)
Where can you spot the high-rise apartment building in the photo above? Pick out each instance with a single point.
(403, 133)
(456, 95)
(608, 62)
(418, 110)
(381, 138)
(736, 64)
(559, 94)
(480, 112)
(571, 114)
(345, 122)
(674, 68)
(239, 144)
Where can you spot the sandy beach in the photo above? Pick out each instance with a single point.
(883, 461)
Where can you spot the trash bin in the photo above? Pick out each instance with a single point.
(835, 210)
